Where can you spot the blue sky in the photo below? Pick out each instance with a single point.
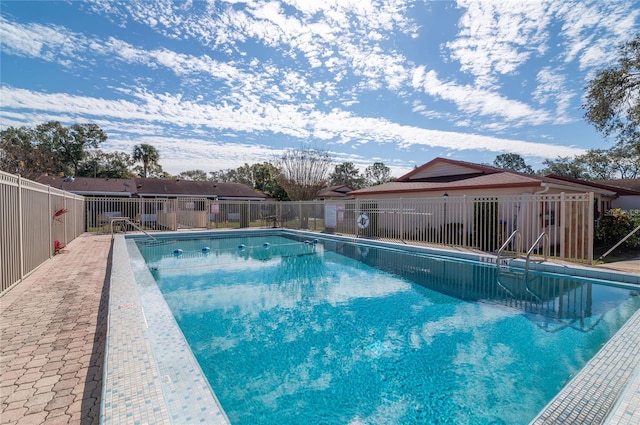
(213, 85)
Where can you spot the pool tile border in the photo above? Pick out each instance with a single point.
(602, 392)
(151, 375)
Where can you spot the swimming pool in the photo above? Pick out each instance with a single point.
(421, 336)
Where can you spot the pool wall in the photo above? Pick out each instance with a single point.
(151, 375)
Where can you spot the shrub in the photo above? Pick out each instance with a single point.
(615, 225)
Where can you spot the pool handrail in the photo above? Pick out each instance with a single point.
(127, 220)
(535, 244)
(516, 233)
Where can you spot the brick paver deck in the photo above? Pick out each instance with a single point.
(52, 337)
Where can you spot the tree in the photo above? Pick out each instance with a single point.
(612, 100)
(266, 180)
(262, 177)
(348, 175)
(625, 162)
(565, 166)
(49, 148)
(80, 138)
(221, 176)
(69, 144)
(513, 162)
(149, 156)
(195, 175)
(597, 164)
(303, 172)
(107, 165)
(242, 174)
(376, 174)
(19, 155)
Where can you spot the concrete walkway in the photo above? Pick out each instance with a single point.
(52, 338)
(629, 266)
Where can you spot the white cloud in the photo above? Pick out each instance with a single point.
(170, 110)
(498, 37)
(476, 101)
(295, 70)
(39, 41)
(594, 29)
(552, 89)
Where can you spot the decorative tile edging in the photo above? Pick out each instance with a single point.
(593, 396)
(150, 374)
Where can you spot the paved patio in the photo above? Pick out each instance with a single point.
(52, 338)
(53, 332)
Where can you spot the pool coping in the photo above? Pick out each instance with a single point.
(140, 387)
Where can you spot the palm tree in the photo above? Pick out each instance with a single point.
(147, 154)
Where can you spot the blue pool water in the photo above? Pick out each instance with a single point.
(290, 331)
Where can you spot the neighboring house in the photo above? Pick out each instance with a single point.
(160, 188)
(442, 176)
(156, 202)
(153, 188)
(627, 192)
(630, 196)
(335, 192)
(92, 187)
(631, 184)
(461, 198)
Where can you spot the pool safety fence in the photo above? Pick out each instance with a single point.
(36, 222)
(34, 216)
(470, 222)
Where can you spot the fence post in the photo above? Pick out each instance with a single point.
(561, 224)
(402, 219)
(465, 230)
(49, 208)
(64, 222)
(20, 241)
(590, 229)
(175, 205)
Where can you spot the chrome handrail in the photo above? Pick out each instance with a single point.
(504, 245)
(126, 220)
(530, 251)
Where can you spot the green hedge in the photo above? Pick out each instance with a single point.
(615, 224)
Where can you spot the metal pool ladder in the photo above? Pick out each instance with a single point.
(545, 248)
(521, 277)
(126, 220)
(516, 234)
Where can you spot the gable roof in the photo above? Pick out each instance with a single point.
(441, 174)
(442, 167)
(339, 191)
(91, 186)
(626, 186)
(495, 180)
(152, 187)
(630, 184)
(207, 189)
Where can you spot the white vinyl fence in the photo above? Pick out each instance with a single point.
(479, 223)
(32, 217)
